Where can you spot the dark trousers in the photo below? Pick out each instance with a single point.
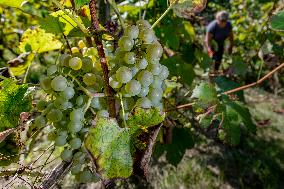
(218, 56)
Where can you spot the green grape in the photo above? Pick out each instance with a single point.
(89, 79)
(41, 105)
(51, 70)
(134, 70)
(74, 127)
(123, 74)
(60, 140)
(164, 72)
(144, 103)
(145, 78)
(75, 143)
(129, 58)
(85, 176)
(113, 83)
(76, 169)
(155, 95)
(133, 87)
(75, 63)
(77, 115)
(64, 60)
(147, 36)
(159, 106)
(157, 82)
(144, 92)
(40, 121)
(63, 133)
(68, 93)
(142, 64)
(51, 136)
(103, 113)
(79, 157)
(81, 100)
(54, 115)
(87, 65)
(95, 103)
(81, 44)
(66, 155)
(132, 32)
(155, 69)
(45, 83)
(74, 50)
(221, 134)
(125, 43)
(49, 107)
(61, 103)
(154, 51)
(142, 24)
(85, 129)
(59, 83)
(124, 93)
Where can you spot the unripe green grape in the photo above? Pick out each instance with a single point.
(157, 82)
(60, 140)
(142, 24)
(132, 32)
(85, 176)
(40, 121)
(74, 127)
(81, 44)
(51, 136)
(145, 78)
(74, 50)
(144, 92)
(59, 83)
(164, 72)
(123, 74)
(45, 83)
(95, 103)
(87, 65)
(147, 36)
(134, 70)
(129, 58)
(41, 105)
(80, 100)
(133, 87)
(221, 134)
(66, 155)
(76, 169)
(79, 157)
(154, 51)
(64, 60)
(113, 83)
(89, 79)
(63, 133)
(68, 93)
(61, 103)
(159, 105)
(75, 143)
(49, 107)
(142, 63)
(51, 70)
(125, 43)
(124, 93)
(54, 115)
(155, 69)
(77, 115)
(155, 95)
(103, 113)
(75, 63)
(144, 103)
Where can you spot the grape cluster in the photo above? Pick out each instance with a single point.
(137, 74)
(69, 107)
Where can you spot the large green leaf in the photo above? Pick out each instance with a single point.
(205, 93)
(277, 22)
(51, 24)
(39, 41)
(13, 101)
(13, 3)
(111, 147)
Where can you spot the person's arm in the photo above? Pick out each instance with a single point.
(208, 39)
(231, 39)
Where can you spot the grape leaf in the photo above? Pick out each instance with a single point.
(21, 68)
(205, 93)
(13, 101)
(38, 40)
(13, 3)
(277, 22)
(110, 146)
(52, 24)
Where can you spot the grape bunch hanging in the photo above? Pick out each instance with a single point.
(72, 84)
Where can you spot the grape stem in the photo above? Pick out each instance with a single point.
(164, 14)
(103, 60)
(123, 111)
(88, 104)
(86, 91)
(115, 8)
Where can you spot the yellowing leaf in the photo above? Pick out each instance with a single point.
(21, 68)
(13, 3)
(39, 41)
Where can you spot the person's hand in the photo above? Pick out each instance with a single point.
(210, 52)
(230, 50)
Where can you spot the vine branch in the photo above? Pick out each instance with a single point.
(103, 61)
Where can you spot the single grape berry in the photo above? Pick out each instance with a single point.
(85, 176)
(164, 72)
(125, 43)
(157, 82)
(45, 83)
(59, 83)
(74, 50)
(144, 92)
(66, 155)
(155, 69)
(87, 65)
(41, 105)
(133, 87)
(80, 100)
(142, 24)
(147, 36)
(64, 60)
(76, 169)
(68, 93)
(75, 143)
(89, 79)
(75, 63)
(113, 83)
(81, 44)
(142, 64)
(145, 78)
(51, 70)
(60, 140)
(40, 121)
(61, 103)
(144, 103)
(77, 115)
(95, 103)
(54, 115)
(155, 95)
(154, 51)
(132, 32)
(103, 113)
(74, 127)
(129, 58)
(123, 74)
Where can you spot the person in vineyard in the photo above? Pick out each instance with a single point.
(218, 31)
